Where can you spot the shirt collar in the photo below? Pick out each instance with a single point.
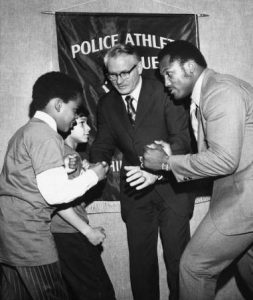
(197, 89)
(136, 92)
(46, 118)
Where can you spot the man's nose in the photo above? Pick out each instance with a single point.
(167, 82)
(119, 79)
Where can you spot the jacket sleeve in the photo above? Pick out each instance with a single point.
(103, 146)
(224, 114)
(177, 119)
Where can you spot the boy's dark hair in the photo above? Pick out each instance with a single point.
(53, 85)
(82, 111)
(182, 51)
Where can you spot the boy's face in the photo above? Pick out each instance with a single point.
(67, 114)
(80, 131)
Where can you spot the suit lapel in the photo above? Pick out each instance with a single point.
(121, 113)
(145, 102)
(201, 135)
(202, 142)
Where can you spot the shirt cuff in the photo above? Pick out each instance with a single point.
(90, 178)
(56, 188)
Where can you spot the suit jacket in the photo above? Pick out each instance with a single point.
(225, 146)
(157, 118)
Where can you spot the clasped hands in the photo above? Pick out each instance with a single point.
(71, 162)
(154, 156)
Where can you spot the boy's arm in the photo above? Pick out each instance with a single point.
(56, 188)
(95, 235)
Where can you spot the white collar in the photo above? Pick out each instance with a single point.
(46, 118)
(136, 92)
(197, 89)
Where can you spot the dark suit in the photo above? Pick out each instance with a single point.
(164, 206)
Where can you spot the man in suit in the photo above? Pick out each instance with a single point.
(162, 207)
(225, 151)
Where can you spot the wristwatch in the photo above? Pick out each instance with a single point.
(166, 165)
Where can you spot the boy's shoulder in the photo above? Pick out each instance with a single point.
(34, 132)
(40, 130)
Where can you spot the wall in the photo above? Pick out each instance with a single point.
(28, 49)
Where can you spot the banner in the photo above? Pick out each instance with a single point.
(84, 38)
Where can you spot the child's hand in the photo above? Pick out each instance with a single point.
(85, 164)
(96, 235)
(71, 163)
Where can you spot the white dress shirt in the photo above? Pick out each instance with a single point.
(195, 104)
(134, 94)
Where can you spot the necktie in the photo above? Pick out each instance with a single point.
(130, 109)
(194, 118)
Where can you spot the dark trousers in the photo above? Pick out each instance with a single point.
(143, 223)
(82, 268)
(33, 283)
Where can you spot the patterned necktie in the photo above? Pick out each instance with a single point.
(130, 109)
(194, 118)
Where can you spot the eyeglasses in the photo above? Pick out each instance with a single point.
(123, 75)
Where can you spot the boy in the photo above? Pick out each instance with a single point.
(79, 254)
(32, 181)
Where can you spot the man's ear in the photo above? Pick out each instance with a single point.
(190, 67)
(58, 104)
(139, 67)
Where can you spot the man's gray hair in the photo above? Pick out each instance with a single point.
(119, 49)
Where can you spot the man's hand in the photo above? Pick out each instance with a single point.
(100, 169)
(139, 178)
(155, 155)
(96, 235)
(71, 163)
(166, 147)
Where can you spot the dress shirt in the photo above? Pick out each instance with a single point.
(54, 184)
(195, 104)
(194, 118)
(46, 118)
(134, 94)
